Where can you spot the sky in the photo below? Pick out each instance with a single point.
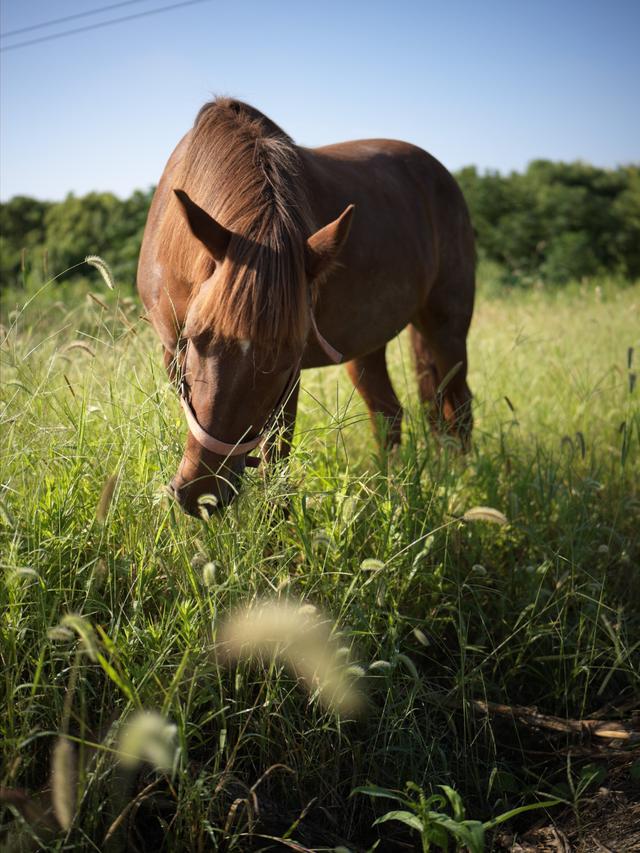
(494, 83)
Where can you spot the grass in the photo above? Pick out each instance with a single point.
(435, 610)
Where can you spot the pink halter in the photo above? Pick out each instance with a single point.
(223, 448)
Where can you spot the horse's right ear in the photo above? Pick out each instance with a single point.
(213, 236)
(325, 245)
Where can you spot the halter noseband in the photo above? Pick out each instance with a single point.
(223, 448)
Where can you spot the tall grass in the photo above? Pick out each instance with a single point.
(433, 608)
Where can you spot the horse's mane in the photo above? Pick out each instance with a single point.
(245, 172)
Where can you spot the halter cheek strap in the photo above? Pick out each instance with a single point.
(223, 448)
(332, 352)
(208, 441)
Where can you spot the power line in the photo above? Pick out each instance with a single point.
(69, 18)
(102, 24)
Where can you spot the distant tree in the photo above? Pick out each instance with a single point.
(625, 242)
(506, 222)
(127, 235)
(22, 227)
(98, 224)
(80, 226)
(558, 221)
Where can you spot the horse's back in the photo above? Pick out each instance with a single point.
(407, 202)
(394, 184)
(404, 166)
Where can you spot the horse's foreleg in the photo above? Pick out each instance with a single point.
(370, 376)
(278, 445)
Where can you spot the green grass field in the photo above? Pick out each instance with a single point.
(432, 611)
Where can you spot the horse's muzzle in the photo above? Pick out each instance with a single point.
(204, 496)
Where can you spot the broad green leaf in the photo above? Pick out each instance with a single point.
(469, 832)
(475, 838)
(408, 818)
(456, 802)
(377, 791)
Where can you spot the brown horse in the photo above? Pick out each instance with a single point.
(246, 283)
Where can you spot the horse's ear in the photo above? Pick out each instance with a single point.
(213, 236)
(325, 245)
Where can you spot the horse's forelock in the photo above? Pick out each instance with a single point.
(243, 170)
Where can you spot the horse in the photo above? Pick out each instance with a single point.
(261, 258)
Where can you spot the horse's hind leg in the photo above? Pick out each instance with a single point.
(440, 349)
(426, 372)
(370, 376)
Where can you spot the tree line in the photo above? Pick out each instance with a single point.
(554, 222)
(557, 221)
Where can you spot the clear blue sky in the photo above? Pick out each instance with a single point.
(495, 83)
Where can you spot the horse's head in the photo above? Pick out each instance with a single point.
(232, 385)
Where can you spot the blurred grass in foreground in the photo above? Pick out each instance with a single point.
(432, 610)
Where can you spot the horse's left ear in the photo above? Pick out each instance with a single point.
(325, 245)
(213, 236)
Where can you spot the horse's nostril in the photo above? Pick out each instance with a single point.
(171, 490)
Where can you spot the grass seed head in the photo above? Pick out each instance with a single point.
(209, 573)
(103, 269)
(372, 565)
(64, 780)
(81, 345)
(303, 638)
(26, 572)
(380, 666)
(421, 637)
(60, 634)
(485, 513)
(207, 505)
(98, 576)
(84, 629)
(106, 496)
(148, 736)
